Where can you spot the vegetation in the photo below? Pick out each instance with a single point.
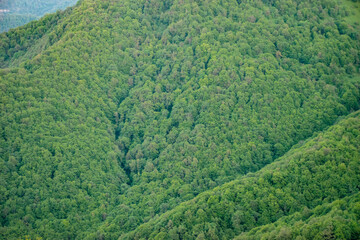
(320, 171)
(149, 119)
(338, 220)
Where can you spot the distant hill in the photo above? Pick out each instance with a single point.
(14, 13)
(9, 20)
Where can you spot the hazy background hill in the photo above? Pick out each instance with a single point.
(14, 13)
(121, 118)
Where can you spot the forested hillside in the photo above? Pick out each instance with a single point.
(148, 119)
(321, 171)
(19, 12)
(338, 220)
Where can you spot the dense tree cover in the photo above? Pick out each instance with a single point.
(322, 170)
(30, 40)
(115, 112)
(338, 220)
(24, 11)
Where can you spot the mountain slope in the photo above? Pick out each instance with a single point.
(323, 169)
(26, 42)
(338, 220)
(114, 112)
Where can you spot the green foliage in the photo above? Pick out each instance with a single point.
(113, 113)
(29, 41)
(353, 12)
(321, 171)
(338, 220)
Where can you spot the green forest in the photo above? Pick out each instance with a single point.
(20, 12)
(182, 119)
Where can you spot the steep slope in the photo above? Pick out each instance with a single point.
(18, 12)
(323, 169)
(122, 110)
(26, 42)
(338, 220)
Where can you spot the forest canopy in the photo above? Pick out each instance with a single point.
(182, 119)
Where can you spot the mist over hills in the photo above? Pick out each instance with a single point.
(182, 119)
(14, 13)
